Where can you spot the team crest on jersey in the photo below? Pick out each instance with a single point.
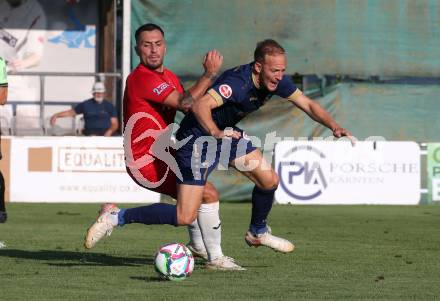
(225, 91)
(159, 89)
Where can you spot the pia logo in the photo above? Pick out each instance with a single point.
(300, 173)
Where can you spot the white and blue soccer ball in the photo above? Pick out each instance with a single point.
(174, 261)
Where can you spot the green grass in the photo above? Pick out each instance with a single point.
(343, 252)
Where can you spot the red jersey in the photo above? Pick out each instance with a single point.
(145, 92)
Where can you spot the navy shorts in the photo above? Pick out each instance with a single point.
(202, 154)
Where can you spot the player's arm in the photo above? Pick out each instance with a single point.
(202, 108)
(67, 113)
(317, 113)
(211, 63)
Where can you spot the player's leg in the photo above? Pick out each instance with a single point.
(266, 182)
(208, 219)
(3, 215)
(206, 234)
(111, 216)
(205, 231)
(196, 161)
(189, 198)
(208, 215)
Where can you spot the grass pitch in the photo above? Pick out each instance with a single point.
(343, 252)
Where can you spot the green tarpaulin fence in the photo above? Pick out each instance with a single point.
(362, 37)
(350, 37)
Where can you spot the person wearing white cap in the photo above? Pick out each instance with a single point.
(100, 117)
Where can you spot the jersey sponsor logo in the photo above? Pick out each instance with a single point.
(225, 91)
(159, 89)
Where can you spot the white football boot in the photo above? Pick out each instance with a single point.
(224, 263)
(103, 226)
(267, 239)
(201, 253)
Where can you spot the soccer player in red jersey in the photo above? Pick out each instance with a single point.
(152, 96)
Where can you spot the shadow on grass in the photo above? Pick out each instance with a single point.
(71, 258)
(148, 279)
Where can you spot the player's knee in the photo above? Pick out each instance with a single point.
(210, 194)
(271, 182)
(186, 219)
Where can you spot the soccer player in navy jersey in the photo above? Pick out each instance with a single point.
(237, 93)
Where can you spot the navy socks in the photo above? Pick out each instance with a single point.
(160, 213)
(262, 201)
(155, 214)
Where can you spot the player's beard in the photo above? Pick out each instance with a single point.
(154, 65)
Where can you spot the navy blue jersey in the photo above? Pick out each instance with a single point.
(237, 95)
(97, 115)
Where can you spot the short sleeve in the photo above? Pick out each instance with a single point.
(3, 76)
(112, 110)
(152, 88)
(227, 89)
(79, 108)
(286, 87)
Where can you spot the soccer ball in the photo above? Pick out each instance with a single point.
(174, 262)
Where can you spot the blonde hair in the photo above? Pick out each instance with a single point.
(267, 47)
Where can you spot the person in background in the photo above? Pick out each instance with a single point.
(100, 118)
(3, 97)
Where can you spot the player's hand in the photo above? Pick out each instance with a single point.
(228, 132)
(339, 132)
(212, 62)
